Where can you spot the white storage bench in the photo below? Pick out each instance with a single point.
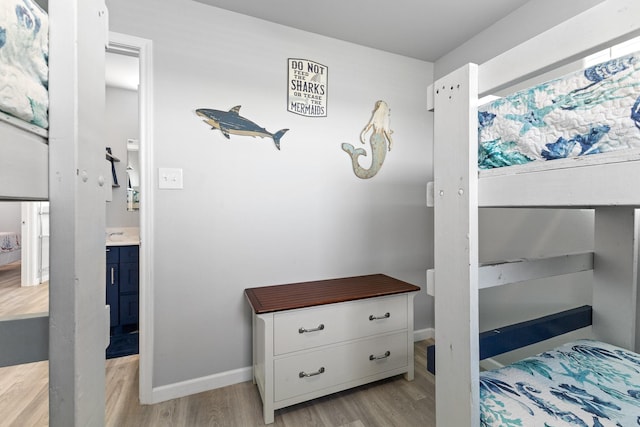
(315, 338)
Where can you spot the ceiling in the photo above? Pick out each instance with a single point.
(422, 29)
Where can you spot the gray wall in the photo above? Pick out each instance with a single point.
(250, 215)
(10, 216)
(121, 122)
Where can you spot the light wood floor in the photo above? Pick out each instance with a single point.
(16, 299)
(387, 403)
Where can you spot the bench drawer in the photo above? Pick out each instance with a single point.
(333, 323)
(312, 371)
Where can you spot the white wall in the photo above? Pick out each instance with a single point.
(250, 215)
(121, 123)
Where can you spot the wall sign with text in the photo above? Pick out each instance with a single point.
(307, 93)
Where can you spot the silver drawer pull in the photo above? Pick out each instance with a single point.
(385, 316)
(303, 374)
(384, 356)
(319, 328)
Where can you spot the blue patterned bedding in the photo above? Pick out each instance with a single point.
(593, 111)
(582, 383)
(24, 52)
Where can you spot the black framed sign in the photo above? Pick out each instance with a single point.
(307, 92)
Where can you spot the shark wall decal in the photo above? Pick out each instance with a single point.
(231, 122)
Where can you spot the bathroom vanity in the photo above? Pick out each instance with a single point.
(315, 338)
(122, 292)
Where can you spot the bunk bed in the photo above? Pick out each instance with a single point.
(23, 101)
(608, 183)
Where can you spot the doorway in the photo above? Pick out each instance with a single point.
(122, 44)
(122, 215)
(24, 258)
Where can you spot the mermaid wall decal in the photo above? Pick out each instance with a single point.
(380, 141)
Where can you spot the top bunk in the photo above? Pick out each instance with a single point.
(24, 100)
(580, 133)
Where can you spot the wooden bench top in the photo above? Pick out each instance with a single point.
(307, 294)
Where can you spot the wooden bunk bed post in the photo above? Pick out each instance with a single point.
(456, 248)
(615, 276)
(78, 320)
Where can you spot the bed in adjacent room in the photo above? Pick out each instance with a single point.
(10, 247)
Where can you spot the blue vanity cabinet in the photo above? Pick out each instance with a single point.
(122, 292)
(129, 285)
(123, 280)
(112, 288)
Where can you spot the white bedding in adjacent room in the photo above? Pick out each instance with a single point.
(10, 247)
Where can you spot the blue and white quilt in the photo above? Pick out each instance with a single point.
(588, 112)
(24, 53)
(582, 383)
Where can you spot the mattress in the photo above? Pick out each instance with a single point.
(582, 383)
(593, 111)
(24, 52)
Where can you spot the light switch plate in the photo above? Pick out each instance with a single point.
(170, 178)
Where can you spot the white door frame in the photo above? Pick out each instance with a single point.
(29, 269)
(126, 44)
(35, 243)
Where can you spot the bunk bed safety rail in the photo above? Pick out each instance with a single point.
(507, 272)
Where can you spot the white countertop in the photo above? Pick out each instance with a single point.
(122, 236)
(124, 243)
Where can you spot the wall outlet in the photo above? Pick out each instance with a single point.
(170, 178)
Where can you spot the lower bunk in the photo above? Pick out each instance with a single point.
(581, 383)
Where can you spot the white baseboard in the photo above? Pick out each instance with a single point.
(223, 379)
(198, 385)
(424, 334)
